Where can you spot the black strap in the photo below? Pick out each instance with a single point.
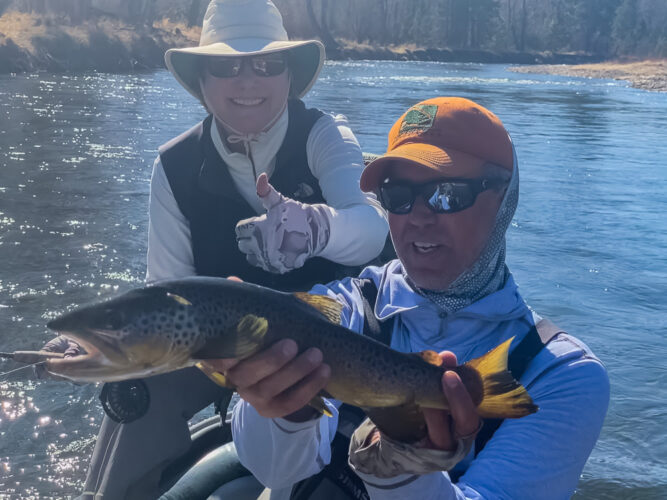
(338, 471)
(378, 330)
(518, 361)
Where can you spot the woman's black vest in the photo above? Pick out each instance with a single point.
(207, 197)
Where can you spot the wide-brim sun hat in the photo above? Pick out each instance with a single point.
(235, 28)
(439, 133)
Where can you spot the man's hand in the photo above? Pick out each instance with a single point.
(462, 421)
(450, 437)
(61, 344)
(278, 382)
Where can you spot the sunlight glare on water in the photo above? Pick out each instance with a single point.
(586, 246)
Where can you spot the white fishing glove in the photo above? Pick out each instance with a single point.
(383, 457)
(285, 236)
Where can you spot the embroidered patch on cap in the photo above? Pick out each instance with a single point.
(418, 119)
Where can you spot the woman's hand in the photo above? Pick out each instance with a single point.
(286, 236)
(461, 422)
(278, 382)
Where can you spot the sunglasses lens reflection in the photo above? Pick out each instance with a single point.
(440, 197)
(397, 198)
(230, 67)
(224, 67)
(268, 66)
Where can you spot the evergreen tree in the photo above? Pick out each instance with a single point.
(627, 28)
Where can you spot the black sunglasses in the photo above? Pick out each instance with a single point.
(229, 67)
(443, 196)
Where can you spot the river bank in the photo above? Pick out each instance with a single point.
(646, 75)
(31, 43)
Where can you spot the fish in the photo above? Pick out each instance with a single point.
(176, 324)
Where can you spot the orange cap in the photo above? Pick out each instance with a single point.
(441, 132)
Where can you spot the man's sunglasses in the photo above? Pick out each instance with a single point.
(444, 196)
(229, 67)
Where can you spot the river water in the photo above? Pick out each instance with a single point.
(587, 246)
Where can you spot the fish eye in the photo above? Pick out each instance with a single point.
(114, 319)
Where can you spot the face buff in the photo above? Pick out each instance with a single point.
(489, 272)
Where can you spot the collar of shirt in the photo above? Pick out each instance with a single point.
(471, 330)
(264, 150)
(396, 295)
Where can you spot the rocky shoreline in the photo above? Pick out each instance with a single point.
(645, 75)
(31, 43)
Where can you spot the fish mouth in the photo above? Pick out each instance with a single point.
(103, 361)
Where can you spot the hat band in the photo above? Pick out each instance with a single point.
(247, 31)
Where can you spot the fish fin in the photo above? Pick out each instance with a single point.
(318, 403)
(251, 331)
(404, 423)
(247, 340)
(330, 308)
(215, 376)
(504, 397)
(430, 357)
(181, 300)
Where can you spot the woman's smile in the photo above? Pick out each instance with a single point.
(248, 101)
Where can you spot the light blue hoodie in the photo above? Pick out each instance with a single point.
(539, 456)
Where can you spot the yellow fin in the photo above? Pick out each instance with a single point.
(215, 376)
(181, 300)
(250, 334)
(331, 308)
(318, 403)
(504, 397)
(430, 357)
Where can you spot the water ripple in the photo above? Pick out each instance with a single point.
(586, 247)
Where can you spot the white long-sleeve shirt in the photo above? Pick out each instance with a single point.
(358, 225)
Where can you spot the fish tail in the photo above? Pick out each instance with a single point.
(503, 396)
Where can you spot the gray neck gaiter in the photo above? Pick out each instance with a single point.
(488, 273)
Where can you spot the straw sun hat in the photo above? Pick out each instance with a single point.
(236, 28)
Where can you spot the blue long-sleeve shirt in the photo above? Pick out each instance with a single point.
(538, 456)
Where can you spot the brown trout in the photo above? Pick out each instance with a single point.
(176, 324)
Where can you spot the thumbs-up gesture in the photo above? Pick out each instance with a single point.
(285, 236)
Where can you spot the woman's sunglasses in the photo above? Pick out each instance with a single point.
(229, 67)
(444, 196)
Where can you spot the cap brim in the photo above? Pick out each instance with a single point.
(306, 60)
(420, 155)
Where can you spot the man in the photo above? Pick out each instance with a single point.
(449, 181)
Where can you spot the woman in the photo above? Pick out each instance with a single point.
(213, 212)
(212, 209)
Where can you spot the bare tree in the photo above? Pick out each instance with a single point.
(192, 17)
(517, 23)
(321, 26)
